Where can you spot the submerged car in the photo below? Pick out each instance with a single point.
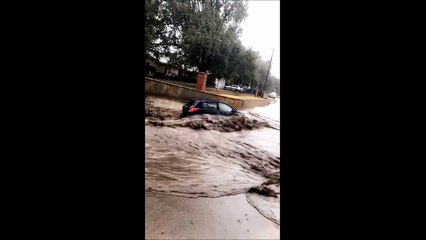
(208, 106)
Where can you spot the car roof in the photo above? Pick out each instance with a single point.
(208, 100)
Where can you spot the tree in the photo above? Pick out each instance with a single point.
(152, 22)
(273, 84)
(194, 31)
(261, 70)
(204, 33)
(242, 68)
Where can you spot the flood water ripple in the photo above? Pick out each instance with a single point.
(184, 160)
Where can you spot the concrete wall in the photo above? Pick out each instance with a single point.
(160, 88)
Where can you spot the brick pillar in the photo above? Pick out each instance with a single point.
(201, 81)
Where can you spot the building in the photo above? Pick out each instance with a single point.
(220, 83)
(161, 68)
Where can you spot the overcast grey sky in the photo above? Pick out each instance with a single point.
(261, 31)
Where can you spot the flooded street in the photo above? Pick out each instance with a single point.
(213, 157)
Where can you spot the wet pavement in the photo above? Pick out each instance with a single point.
(230, 217)
(214, 157)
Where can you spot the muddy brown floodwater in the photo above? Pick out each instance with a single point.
(212, 157)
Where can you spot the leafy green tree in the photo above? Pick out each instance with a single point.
(152, 22)
(194, 31)
(273, 84)
(242, 68)
(203, 33)
(235, 63)
(261, 70)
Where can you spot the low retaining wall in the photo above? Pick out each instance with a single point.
(160, 88)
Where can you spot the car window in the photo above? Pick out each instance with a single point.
(190, 102)
(211, 105)
(224, 107)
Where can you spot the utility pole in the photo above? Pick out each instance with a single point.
(267, 74)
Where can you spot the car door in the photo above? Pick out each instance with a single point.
(210, 107)
(225, 109)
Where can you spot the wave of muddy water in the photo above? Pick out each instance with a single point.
(213, 156)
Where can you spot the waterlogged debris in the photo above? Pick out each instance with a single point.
(164, 117)
(160, 117)
(211, 164)
(263, 190)
(266, 205)
(156, 113)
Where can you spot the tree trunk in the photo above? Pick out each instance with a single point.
(204, 64)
